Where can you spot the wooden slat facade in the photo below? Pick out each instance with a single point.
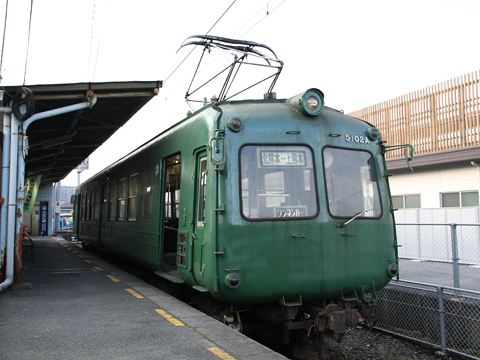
(440, 117)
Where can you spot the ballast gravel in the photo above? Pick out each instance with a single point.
(364, 344)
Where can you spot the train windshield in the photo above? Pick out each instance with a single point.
(278, 182)
(351, 181)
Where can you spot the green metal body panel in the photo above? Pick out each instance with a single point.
(271, 263)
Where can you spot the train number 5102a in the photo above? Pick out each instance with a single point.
(356, 138)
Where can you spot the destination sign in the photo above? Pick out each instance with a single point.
(290, 211)
(283, 158)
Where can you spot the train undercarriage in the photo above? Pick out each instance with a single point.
(300, 328)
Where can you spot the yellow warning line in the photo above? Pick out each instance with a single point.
(113, 278)
(98, 268)
(80, 256)
(88, 261)
(134, 293)
(74, 252)
(170, 318)
(221, 354)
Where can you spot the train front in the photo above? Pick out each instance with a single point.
(303, 209)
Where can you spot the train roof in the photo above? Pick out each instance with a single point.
(205, 108)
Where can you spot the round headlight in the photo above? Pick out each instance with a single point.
(392, 270)
(235, 124)
(312, 102)
(373, 133)
(232, 280)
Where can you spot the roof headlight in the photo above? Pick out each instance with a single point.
(312, 102)
(308, 103)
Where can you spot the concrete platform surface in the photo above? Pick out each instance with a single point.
(82, 307)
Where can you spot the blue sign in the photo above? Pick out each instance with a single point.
(43, 221)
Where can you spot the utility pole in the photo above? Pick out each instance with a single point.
(80, 168)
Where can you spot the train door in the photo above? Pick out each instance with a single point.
(171, 204)
(199, 221)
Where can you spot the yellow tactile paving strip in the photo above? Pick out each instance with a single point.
(170, 318)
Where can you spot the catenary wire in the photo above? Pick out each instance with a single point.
(216, 22)
(28, 41)
(258, 12)
(206, 65)
(98, 45)
(91, 41)
(3, 41)
(263, 18)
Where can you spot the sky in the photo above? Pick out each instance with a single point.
(359, 53)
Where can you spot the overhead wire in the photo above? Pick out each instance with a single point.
(216, 22)
(233, 36)
(258, 12)
(268, 13)
(91, 41)
(28, 41)
(98, 45)
(3, 41)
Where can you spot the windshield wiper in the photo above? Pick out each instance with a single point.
(342, 225)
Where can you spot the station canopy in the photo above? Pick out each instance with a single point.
(58, 144)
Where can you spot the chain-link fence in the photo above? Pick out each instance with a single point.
(448, 318)
(444, 254)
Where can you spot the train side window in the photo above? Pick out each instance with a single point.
(84, 210)
(112, 199)
(147, 194)
(97, 204)
(132, 197)
(172, 190)
(81, 204)
(92, 205)
(105, 192)
(121, 200)
(202, 186)
(87, 206)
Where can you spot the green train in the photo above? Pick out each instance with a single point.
(280, 202)
(276, 207)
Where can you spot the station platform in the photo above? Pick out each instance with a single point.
(73, 305)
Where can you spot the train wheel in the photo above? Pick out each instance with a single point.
(232, 319)
(309, 346)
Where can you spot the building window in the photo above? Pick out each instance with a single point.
(406, 201)
(460, 199)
